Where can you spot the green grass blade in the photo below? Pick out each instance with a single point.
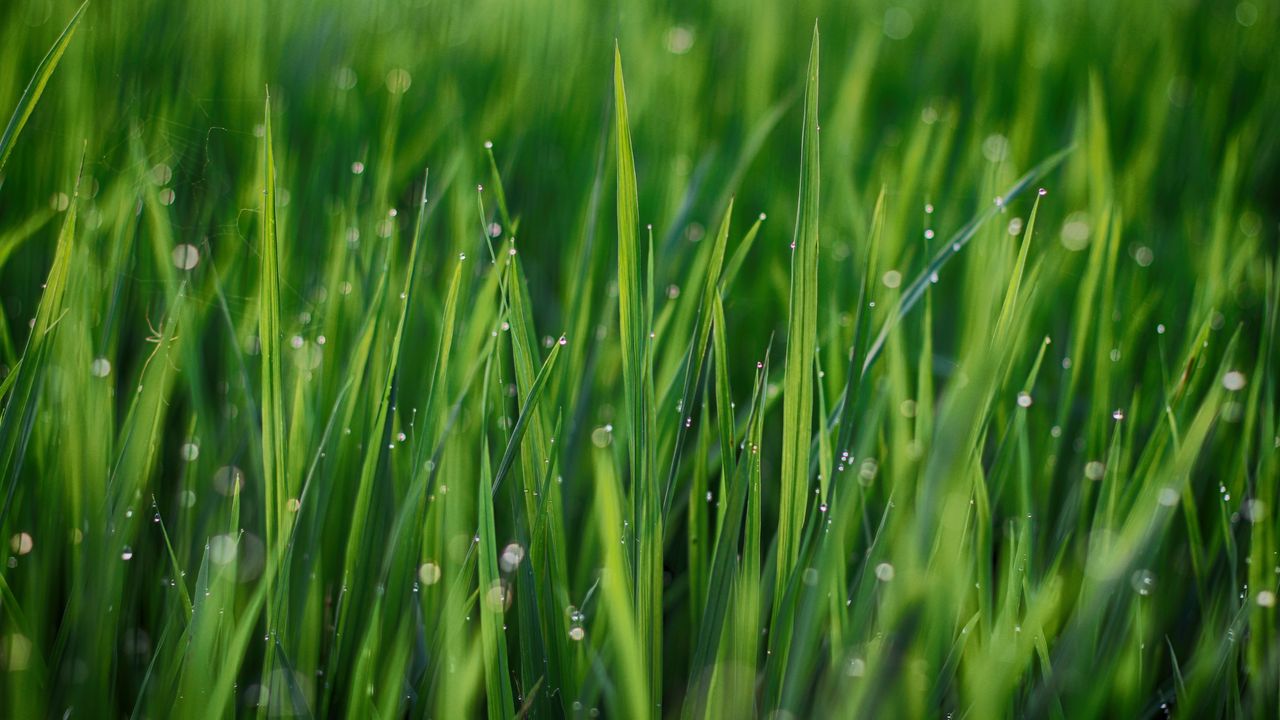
(637, 379)
(274, 453)
(802, 324)
(35, 88)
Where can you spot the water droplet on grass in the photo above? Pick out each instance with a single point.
(185, 256)
(1142, 581)
(101, 367)
(429, 573)
(398, 81)
(21, 543)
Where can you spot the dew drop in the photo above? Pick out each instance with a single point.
(101, 367)
(185, 256)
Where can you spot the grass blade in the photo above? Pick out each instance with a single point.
(802, 324)
(35, 88)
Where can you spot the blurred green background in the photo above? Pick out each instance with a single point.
(1153, 268)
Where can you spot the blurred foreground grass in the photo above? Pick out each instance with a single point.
(648, 398)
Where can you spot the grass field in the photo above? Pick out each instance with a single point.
(415, 358)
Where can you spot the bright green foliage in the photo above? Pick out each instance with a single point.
(579, 423)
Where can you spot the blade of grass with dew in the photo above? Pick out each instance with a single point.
(697, 352)
(274, 452)
(724, 568)
(739, 256)
(493, 594)
(544, 512)
(802, 323)
(359, 536)
(18, 417)
(912, 294)
(637, 381)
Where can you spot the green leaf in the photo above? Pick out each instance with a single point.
(802, 329)
(35, 88)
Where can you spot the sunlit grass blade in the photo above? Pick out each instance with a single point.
(35, 88)
(275, 483)
(802, 325)
(646, 495)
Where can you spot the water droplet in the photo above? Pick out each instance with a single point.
(679, 39)
(1075, 231)
(185, 256)
(867, 471)
(21, 543)
(1024, 400)
(398, 81)
(1142, 581)
(995, 147)
(1233, 380)
(101, 367)
(511, 557)
(429, 573)
(898, 23)
(1144, 256)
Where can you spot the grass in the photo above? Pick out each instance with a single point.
(333, 384)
